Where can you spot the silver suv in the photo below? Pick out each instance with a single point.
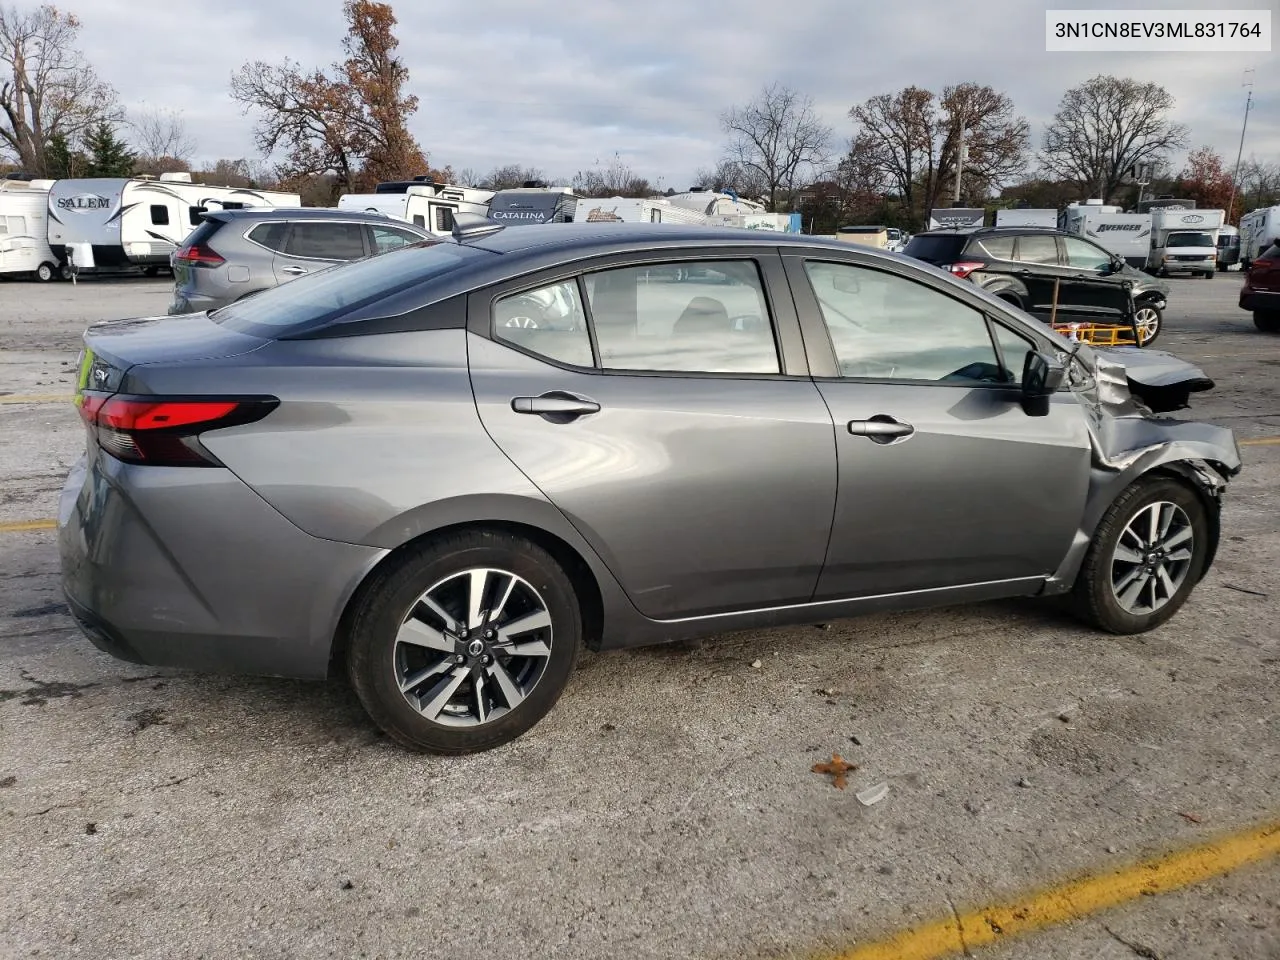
(234, 254)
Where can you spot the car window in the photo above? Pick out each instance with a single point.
(444, 219)
(1014, 347)
(936, 248)
(692, 317)
(391, 238)
(1084, 255)
(1033, 249)
(999, 248)
(884, 326)
(270, 235)
(326, 241)
(548, 321)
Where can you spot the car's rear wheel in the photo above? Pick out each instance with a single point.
(465, 643)
(1149, 321)
(1268, 321)
(1146, 557)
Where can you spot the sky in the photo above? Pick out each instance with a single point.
(566, 86)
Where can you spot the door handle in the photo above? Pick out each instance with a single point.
(881, 429)
(294, 270)
(557, 407)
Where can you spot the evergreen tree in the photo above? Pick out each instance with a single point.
(63, 162)
(109, 156)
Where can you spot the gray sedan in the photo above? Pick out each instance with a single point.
(446, 469)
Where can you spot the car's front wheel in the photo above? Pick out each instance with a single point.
(465, 643)
(1149, 321)
(1146, 557)
(1268, 321)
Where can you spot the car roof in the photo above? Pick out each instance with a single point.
(303, 213)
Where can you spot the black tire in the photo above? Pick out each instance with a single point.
(151, 271)
(1268, 321)
(46, 272)
(1208, 274)
(1094, 598)
(374, 665)
(1158, 321)
(64, 271)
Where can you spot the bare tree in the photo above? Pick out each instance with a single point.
(616, 179)
(1105, 127)
(47, 89)
(1259, 184)
(510, 176)
(161, 134)
(731, 175)
(779, 136)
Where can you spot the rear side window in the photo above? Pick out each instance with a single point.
(270, 235)
(936, 248)
(326, 241)
(159, 215)
(1033, 249)
(998, 248)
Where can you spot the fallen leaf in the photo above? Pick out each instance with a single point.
(837, 769)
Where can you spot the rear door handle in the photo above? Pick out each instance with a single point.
(556, 406)
(294, 270)
(881, 429)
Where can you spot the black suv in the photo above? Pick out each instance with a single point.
(1022, 265)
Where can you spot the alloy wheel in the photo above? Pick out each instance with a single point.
(472, 647)
(1152, 558)
(1148, 322)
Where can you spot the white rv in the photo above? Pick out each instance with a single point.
(1027, 217)
(24, 230)
(1185, 240)
(711, 203)
(1258, 230)
(1127, 235)
(422, 202)
(532, 204)
(630, 210)
(139, 221)
(956, 218)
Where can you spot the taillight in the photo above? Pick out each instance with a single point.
(964, 268)
(198, 255)
(163, 432)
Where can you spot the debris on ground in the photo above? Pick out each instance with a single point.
(856, 740)
(873, 794)
(827, 692)
(7, 782)
(837, 768)
(1191, 817)
(1024, 782)
(757, 664)
(90, 828)
(1252, 593)
(348, 885)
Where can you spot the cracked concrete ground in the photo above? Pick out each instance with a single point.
(666, 807)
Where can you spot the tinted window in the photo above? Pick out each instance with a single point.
(391, 238)
(270, 235)
(548, 321)
(313, 300)
(326, 241)
(193, 214)
(998, 248)
(936, 248)
(1033, 249)
(884, 326)
(159, 215)
(419, 220)
(1082, 254)
(707, 317)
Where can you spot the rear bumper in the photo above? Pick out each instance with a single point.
(1265, 300)
(188, 567)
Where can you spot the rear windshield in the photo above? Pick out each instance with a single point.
(319, 298)
(936, 248)
(202, 233)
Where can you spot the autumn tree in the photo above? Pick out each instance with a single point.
(913, 138)
(1106, 127)
(779, 137)
(47, 89)
(1205, 181)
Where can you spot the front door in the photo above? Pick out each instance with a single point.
(666, 431)
(1094, 291)
(944, 480)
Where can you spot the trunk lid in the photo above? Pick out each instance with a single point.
(118, 345)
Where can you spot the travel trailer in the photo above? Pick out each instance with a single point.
(1027, 217)
(777, 222)
(533, 203)
(1184, 239)
(422, 202)
(24, 230)
(714, 203)
(138, 221)
(876, 237)
(1127, 235)
(1228, 248)
(1165, 202)
(628, 210)
(1258, 230)
(956, 218)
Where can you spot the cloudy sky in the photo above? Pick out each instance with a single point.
(562, 86)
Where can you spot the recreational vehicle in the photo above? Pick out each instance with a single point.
(1184, 239)
(713, 203)
(1228, 248)
(957, 218)
(422, 202)
(628, 210)
(1127, 235)
(24, 230)
(139, 221)
(531, 204)
(777, 222)
(1027, 217)
(1258, 230)
(867, 236)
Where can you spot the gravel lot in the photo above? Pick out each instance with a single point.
(666, 807)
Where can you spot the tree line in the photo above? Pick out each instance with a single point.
(344, 127)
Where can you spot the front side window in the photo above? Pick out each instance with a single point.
(548, 321)
(159, 215)
(887, 327)
(1033, 249)
(690, 317)
(326, 241)
(1084, 255)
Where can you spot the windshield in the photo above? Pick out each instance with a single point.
(318, 298)
(1189, 240)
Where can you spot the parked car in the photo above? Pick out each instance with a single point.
(235, 254)
(1023, 264)
(419, 470)
(1261, 290)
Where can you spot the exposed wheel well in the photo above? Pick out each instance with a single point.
(575, 567)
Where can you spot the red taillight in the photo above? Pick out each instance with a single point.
(965, 267)
(198, 255)
(163, 431)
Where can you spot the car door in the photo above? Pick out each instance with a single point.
(944, 480)
(1094, 290)
(677, 429)
(1039, 267)
(313, 245)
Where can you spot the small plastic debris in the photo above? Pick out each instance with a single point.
(1112, 850)
(1024, 783)
(757, 664)
(856, 740)
(837, 768)
(873, 795)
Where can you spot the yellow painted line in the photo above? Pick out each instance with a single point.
(1070, 901)
(38, 398)
(1261, 442)
(23, 526)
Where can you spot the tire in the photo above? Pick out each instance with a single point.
(45, 272)
(1268, 321)
(1150, 321)
(64, 271)
(378, 662)
(151, 271)
(1097, 601)
(1208, 274)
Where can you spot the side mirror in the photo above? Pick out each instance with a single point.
(1118, 264)
(1041, 377)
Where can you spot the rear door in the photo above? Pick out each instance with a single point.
(677, 429)
(315, 245)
